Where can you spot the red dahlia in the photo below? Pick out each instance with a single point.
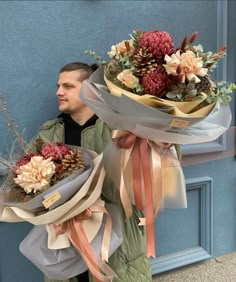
(158, 43)
(157, 83)
(55, 151)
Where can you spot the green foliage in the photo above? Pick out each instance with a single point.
(98, 58)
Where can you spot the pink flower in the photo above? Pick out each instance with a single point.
(186, 64)
(128, 79)
(55, 151)
(36, 174)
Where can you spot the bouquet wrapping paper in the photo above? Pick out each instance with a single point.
(65, 263)
(76, 222)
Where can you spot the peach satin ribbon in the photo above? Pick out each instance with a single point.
(73, 227)
(146, 168)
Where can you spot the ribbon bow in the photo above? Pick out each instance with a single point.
(74, 228)
(146, 163)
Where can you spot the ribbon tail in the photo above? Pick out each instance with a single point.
(80, 242)
(123, 192)
(136, 170)
(150, 230)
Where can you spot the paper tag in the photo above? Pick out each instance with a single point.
(179, 123)
(51, 199)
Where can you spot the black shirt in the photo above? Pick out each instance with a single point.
(73, 129)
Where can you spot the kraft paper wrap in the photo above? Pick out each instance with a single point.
(180, 109)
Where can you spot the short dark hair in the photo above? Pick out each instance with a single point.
(85, 69)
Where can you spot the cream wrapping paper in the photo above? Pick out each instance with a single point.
(65, 263)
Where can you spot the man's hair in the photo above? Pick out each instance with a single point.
(85, 69)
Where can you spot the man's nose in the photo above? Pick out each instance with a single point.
(59, 91)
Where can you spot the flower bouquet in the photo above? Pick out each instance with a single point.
(46, 179)
(71, 232)
(58, 188)
(171, 87)
(154, 95)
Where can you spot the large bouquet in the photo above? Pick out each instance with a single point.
(161, 95)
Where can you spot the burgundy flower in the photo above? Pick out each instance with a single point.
(159, 43)
(59, 169)
(157, 83)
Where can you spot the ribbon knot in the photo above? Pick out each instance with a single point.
(125, 142)
(64, 227)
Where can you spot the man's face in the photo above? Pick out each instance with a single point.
(68, 89)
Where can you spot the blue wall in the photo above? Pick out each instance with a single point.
(38, 37)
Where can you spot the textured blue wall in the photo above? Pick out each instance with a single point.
(38, 37)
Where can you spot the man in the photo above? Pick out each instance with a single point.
(78, 125)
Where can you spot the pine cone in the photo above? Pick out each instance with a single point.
(72, 161)
(144, 62)
(204, 85)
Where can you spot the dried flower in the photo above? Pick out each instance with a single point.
(121, 48)
(128, 79)
(35, 175)
(147, 52)
(23, 161)
(158, 43)
(186, 64)
(157, 83)
(55, 151)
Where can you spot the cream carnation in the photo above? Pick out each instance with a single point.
(128, 79)
(186, 64)
(121, 48)
(36, 174)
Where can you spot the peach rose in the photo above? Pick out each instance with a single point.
(36, 174)
(128, 79)
(187, 64)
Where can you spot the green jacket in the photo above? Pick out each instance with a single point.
(129, 261)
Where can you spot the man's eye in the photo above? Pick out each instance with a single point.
(68, 86)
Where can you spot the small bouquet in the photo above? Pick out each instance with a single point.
(58, 189)
(47, 178)
(154, 95)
